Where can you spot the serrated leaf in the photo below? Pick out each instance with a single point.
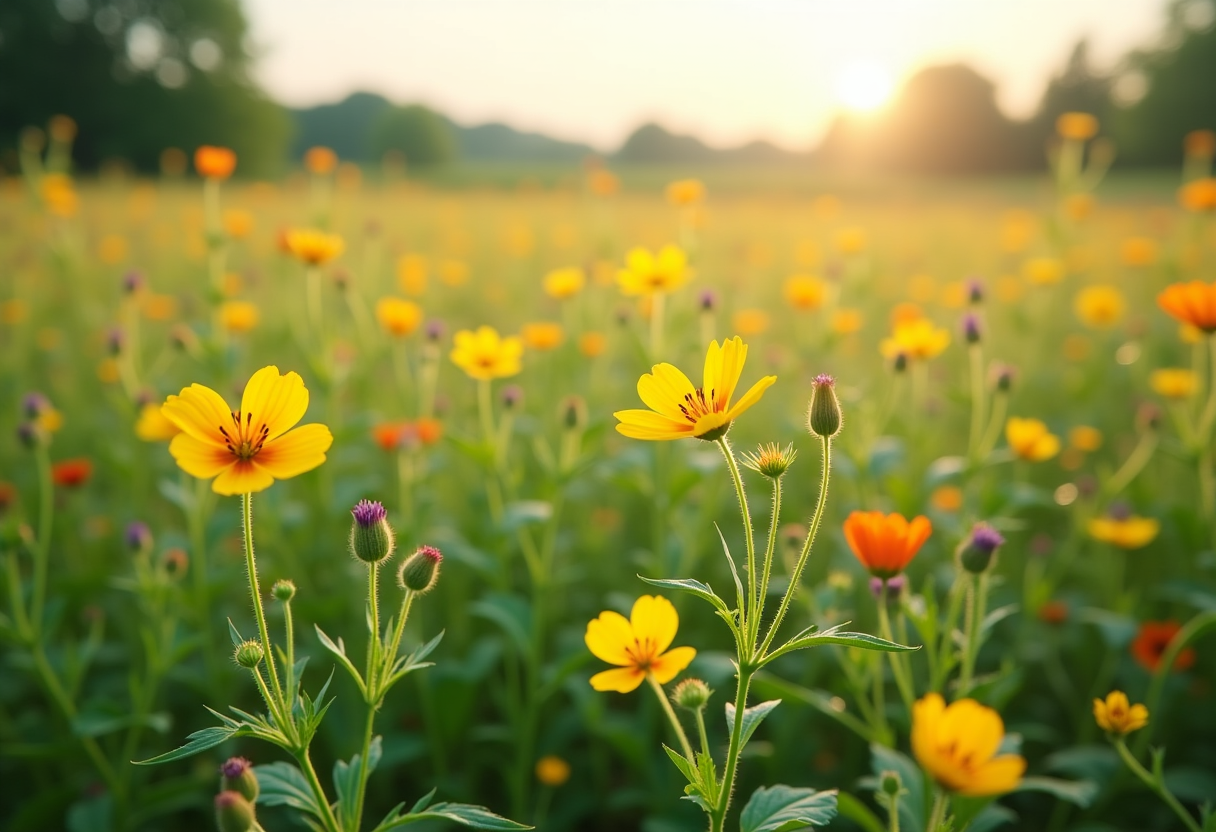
(282, 784)
(690, 585)
(752, 717)
(198, 741)
(783, 808)
(682, 764)
(1078, 792)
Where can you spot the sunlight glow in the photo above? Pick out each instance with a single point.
(864, 86)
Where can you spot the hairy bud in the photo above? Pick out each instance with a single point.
(420, 571)
(237, 776)
(249, 654)
(691, 695)
(233, 813)
(371, 537)
(824, 418)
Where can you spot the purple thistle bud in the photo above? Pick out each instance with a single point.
(975, 555)
(895, 587)
(975, 291)
(1119, 511)
(1003, 376)
(138, 536)
(28, 434)
(368, 512)
(708, 300)
(512, 396)
(986, 538)
(234, 767)
(35, 404)
(132, 282)
(115, 340)
(971, 328)
(435, 329)
(420, 571)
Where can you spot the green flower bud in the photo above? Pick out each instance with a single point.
(977, 551)
(574, 412)
(283, 590)
(371, 538)
(824, 418)
(420, 571)
(890, 783)
(691, 695)
(233, 813)
(249, 654)
(770, 460)
(236, 775)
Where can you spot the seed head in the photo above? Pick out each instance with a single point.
(771, 460)
(691, 695)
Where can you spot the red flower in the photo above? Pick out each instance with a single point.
(8, 495)
(389, 435)
(1054, 612)
(429, 431)
(1153, 640)
(72, 473)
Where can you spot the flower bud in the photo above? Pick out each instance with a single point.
(975, 291)
(30, 435)
(249, 654)
(770, 460)
(975, 555)
(371, 538)
(512, 397)
(1002, 377)
(184, 338)
(824, 418)
(1148, 417)
(34, 405)
(132, 282)
(708, 300)
(890, 783)
(420, 571)
(174, 563)
(899, 364)
(971, 329)
(574, 412)
(434, 330)
(138, 536)
(691, 695)
(237, 776)
(283, 590)
(894, 587)
(233, 813)
(116, 339)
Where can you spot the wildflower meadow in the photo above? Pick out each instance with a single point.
(609, 501)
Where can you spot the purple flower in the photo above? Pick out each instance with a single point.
(435, 329)
(35, 404)
(975, 290)
(369, 513)
(132, 282)
(138, 536)
(512, 396)
(234, 767)
(895, 586)
(708, 300)
(985, 538)
(971, 328)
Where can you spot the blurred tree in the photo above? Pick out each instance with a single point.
(419, 134)
(1169, 91)
(1079, 88)
(137, 77)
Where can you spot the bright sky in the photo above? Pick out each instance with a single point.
(726, 70)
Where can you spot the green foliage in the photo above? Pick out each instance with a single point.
(420, 136)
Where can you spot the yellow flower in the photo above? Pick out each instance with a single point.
(646, 273)
(1077, 126)
(398, 317)
(564, 283)
(1138, 251)
(238, 315)
(750, 321)
(918, 339)
(1130, 532)
(59, 194)
(1043, 271)
(1118, 716)
(112, 249)
(484, 355)
(1174, 382)
(411, 274)
(637, 645)
(154, 426)
(1099, 306)
(685, 192)
(1085, 438)
(1030, 439)
(592, 344)
(246, 450)
(14, 311)
(552, 771)
(958, 744)
(542, 335)
(677, 410)
(846, 321)
(1078, 207)
(805, 292)
(238, 223)
(851, 240)
(316, 248)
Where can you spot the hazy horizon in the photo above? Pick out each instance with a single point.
(724, 70)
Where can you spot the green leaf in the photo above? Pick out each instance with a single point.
(853, 809)
(198, 741)
(510, 612)
(913, 806)
(477, 817)
(688, 585)
(782, 808)
(752, 717)
(862, 641)
(683, 765)
(1078, 792)
(282, 784)
(348, 776)
(733, 571)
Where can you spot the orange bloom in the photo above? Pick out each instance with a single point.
(1191, 303)
(885, 543)
(320, 160)
(8, 495)
(72, 473)
(214, 162)
(1153, 640)
(1077, 126)
(1199, 195)
(388, 435)
(429, 431)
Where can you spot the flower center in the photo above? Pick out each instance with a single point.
(696, 405)
(244, 441)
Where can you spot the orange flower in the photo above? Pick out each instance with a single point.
(805, 292)
(592, 344)
(542, 336)
(214, 162)
(885, 543)
(429, 431)
(1199, 195)
(1153, 640)
(388, 435)
(320, 160)
(8, 495)
(72, 473)
(1191, 303)
(1077, 126)
(685, 192)
(1200, 143)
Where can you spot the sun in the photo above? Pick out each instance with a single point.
(864, 86)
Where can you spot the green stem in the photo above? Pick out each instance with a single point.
(289, 633)
(1133, 465)
(976, 355)
(1209, 409)
(752, 582)
(256, 594)
(656, 324)
(816, 521)
(937, 817)
(1000, 405)
(373, 639)
(768, 559)
(42, 552)
(700, 715)
(898, 668)
(314, 783)
(671, 716)
(971, 626)
(1155, 785)
(1176, 645)
(718, 815)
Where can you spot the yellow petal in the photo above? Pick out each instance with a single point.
(750, 397)
(643, 424)
(608, 637)
(242, 477)
(995, 777)
(276, 401)
(663, 391)
(712, 372)
(667, 666)
(295, 452)
(199, 458)
(976, 730)
(734, 355)
(926, 713)
(619, 679)
(655, 621)
(200, 412)
(640, 261)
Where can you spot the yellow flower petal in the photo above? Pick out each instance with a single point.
(200, 412)
(242, 477)
(751, 397)
(200, 458)
(663, 390)
(997, 776)
(667, 666)
(655, 622)
(619, 679)
(276, 401)
(645, 424)
(295, 452)
(608, 637)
